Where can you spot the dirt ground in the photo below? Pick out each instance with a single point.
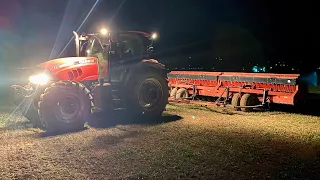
(189, 142)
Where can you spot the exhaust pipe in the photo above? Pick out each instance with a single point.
(77, 41)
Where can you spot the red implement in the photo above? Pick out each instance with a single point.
(265, 87)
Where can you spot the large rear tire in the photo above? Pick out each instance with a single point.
(149, 96)
(65, 106)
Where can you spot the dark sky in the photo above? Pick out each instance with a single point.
(192, 32)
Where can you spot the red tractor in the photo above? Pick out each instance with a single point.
(112, 71)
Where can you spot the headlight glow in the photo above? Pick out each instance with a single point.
(40, 79)
(104, 31)
(154, 36)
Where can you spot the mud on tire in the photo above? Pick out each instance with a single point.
(65, 106)
(149, 94)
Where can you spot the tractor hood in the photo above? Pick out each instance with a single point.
(55, 64)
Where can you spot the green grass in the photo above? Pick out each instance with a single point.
(207, 143)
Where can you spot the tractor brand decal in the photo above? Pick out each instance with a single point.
(86, 61)
(81, 61)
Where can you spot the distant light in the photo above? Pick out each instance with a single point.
(88, 51)
(103, 31)
(255, 69)
(154, 36)
(258, 69)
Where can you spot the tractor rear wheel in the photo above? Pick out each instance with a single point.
(65, 106)
(149, 96)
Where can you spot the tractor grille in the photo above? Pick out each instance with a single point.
(74, 74)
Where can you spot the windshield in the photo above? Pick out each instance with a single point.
(94, 48)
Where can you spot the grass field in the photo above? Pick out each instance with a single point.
(189, 142)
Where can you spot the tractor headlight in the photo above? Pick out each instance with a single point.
(40, 79)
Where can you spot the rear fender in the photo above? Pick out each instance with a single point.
(143, 66)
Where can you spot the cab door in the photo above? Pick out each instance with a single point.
(100, 51)
(125, 50)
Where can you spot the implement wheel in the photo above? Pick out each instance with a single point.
(173, 92)
(182, 93)
(65, 106)
(248, 100)
(235, 101)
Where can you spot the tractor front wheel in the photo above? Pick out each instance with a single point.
(65, 106)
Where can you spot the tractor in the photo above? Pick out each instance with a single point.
(112, 71)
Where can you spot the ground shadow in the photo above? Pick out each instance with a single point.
(222, 110)
(305, 108)
(106, 120)
(58, 133)
(111, 119)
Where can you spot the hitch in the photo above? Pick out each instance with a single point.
(24, 91)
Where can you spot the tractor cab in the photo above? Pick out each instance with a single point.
(114, 49)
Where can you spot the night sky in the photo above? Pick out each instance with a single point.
(217, 35)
